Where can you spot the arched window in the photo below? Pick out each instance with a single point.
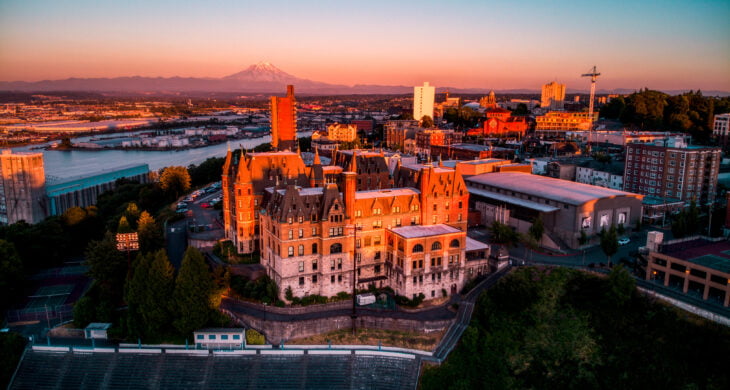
(454, 243)
(314, 249)
(436, 246)
(336, 248)
(417, 248)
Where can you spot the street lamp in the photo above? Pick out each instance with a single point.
(354, 277)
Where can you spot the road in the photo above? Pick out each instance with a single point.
(205, 218)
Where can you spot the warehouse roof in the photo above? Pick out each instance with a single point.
(546, 187)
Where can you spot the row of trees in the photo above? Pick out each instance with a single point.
(690, 112)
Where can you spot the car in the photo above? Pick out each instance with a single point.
(182, 205)
(205, 205)
(624, 241)
(182, 211)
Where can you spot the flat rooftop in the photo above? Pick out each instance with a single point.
(424, 231)
(713, 255)
(547, 187)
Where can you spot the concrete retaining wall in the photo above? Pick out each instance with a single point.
(690, 308)
(276, 331)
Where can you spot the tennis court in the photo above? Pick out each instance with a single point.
(49, 296)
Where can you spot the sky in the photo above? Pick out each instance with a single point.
(662, 45)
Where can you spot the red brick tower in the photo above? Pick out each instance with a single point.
(284, 120)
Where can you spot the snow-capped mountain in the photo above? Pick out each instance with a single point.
(263, 71)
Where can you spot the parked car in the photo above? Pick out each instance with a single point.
(182, 210)
(205, 205)
(624, 241)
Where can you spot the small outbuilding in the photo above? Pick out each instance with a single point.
(97, 330)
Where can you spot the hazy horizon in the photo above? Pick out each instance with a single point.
(667, 45)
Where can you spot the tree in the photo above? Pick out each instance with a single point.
(537, 229)
(609, 243)
(503, 234)
(106, 264)
(175, 180)
(622, 286)
(426, 122)
(124, 226)
(132, 214)
(84, 312)
(521, 110)
(11, 274)
(135, 294)
(156, 307)
(193, 288)
(265, 147)
(150, 235)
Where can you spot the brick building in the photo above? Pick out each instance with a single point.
(284, 121)
(396, 132)
(426, 138)
(674, 171)
(411, 237)
(699, 266)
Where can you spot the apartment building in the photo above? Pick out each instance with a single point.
(673, 171)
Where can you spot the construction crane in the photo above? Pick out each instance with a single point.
(593, 75)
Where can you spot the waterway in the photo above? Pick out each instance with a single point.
(64, 164)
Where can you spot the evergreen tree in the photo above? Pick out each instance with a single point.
(150, 234)
(193, 289)
(107, 265)
(11, 274)
(136, 294)
(132, 214)
(124, 226)
(537, 229)
(156, 304)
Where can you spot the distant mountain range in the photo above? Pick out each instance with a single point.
(259, 78)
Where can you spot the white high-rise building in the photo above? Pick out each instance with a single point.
(553, 96)
(423, 99)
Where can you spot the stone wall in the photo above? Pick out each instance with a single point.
(276, 331)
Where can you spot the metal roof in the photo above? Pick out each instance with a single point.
(513, 200)
(547, 187)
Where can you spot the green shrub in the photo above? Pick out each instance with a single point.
(254, 338)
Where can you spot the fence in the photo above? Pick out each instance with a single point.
(52, 315)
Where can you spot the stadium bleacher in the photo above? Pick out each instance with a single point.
(87, 370)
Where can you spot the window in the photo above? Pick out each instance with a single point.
(339, 263)
(339, 278)
(314, 249)
(301, 266)
(291, 251)
(314, 232)
(377, 211)
(368, 241)
(301, 250)
(224, 337)
(314, 278)
(436, 246)
(200, 337)
(332, 265)
(358, 213)
(417, 248)
(376, 240)
(301, 281)
(435, 219)
(377, 255)
(211, 337)
(291, 234)
(435, 207)
(301, 232)
(415, 264)
(332, 279)
(236, 336)
(336, 248)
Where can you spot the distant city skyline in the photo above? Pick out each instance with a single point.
(666, 45)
